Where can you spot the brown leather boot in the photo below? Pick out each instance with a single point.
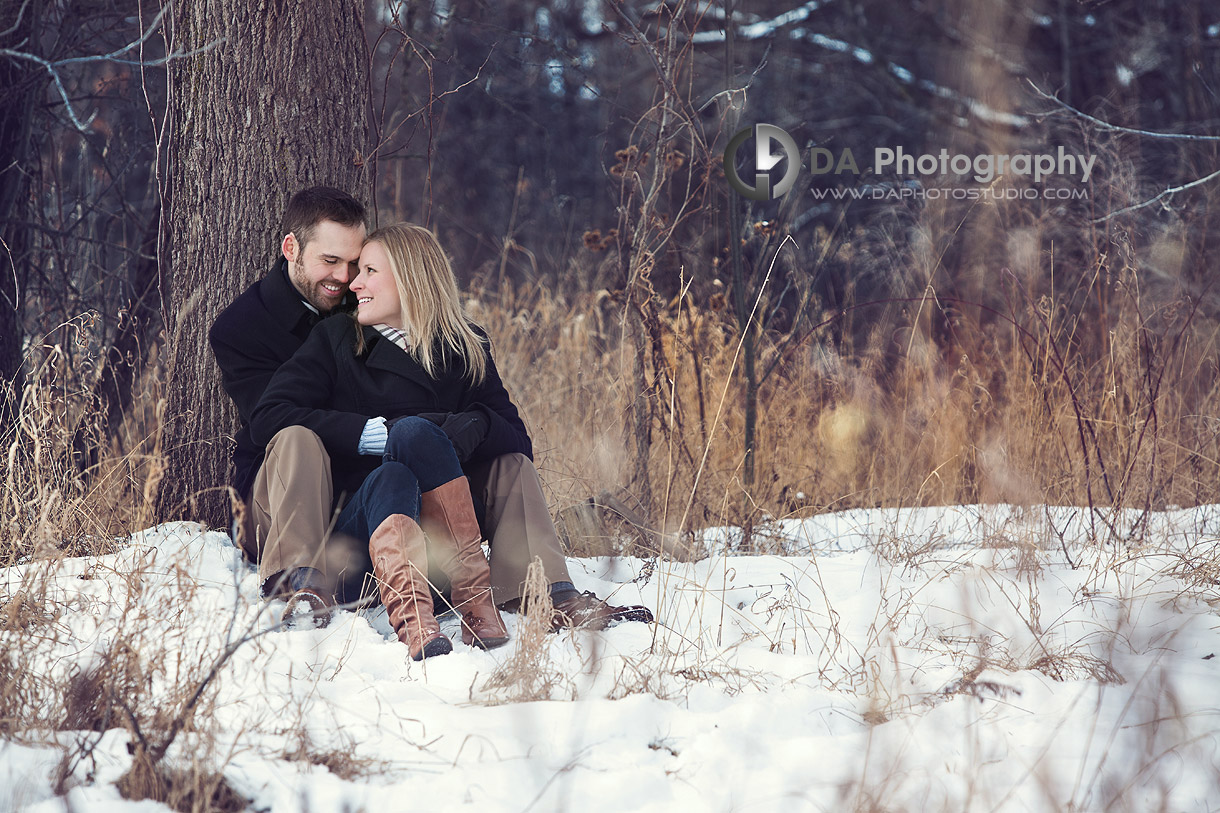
(399, 552)
(447, 514)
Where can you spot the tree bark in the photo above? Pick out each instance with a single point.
(19, 88)
(277, 103)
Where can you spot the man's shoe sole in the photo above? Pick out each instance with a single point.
(306, 610)
(489, 642)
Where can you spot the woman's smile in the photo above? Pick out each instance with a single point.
(377, 301)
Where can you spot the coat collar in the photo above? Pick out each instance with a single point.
(383, 354)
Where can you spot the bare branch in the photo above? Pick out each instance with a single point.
(114, 57)
(1105, 125)
(763, 28)
(864, 56)
(17, 24)
(1167, 192)
(426, 105)
(59, 85)
(15, 306)
(730, 95)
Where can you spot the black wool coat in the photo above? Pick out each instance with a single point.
(327, 388)
(251, 338)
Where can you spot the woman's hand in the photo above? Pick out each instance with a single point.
(465, 430)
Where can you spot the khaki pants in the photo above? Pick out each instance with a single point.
(518, 524)
(290, 509)
(291, 518)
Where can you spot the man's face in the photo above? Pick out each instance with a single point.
(322, 269)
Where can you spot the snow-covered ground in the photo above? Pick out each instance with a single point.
(960, 658)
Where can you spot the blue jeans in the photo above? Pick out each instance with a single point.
(418, 457)
(421, 445)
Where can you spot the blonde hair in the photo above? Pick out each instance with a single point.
(432, 314)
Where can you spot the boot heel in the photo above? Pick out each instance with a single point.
(477, 631)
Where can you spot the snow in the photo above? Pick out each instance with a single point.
(762, 28)
(770, 27)
(961, 658)
(976, 107)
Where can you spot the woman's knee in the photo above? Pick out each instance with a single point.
(416, 438)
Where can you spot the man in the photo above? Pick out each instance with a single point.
(288, 485)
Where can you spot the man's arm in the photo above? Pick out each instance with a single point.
(297, 393)
(246, 365)
(505, 431)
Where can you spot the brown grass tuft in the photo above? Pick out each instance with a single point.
(342, 761)
(188, 790)
(529, 673)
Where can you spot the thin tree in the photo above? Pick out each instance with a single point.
(18, 95)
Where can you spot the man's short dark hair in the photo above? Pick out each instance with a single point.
(309, 207)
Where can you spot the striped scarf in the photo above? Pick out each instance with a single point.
(398, 337)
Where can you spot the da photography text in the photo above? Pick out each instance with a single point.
(775, 149)
(983, 168)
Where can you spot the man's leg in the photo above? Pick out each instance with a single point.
(519, 528)
(291, 508)
(518, 524)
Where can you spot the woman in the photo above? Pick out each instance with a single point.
(401, 397)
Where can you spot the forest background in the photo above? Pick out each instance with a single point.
(683, 357)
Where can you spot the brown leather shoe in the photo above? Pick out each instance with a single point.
(481, 629)
(308, 608)
(587, 611)
(399, 552)
(447, 514)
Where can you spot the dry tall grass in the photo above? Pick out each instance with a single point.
(1016, 411)
(50, 506)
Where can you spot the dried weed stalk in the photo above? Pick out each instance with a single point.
(529, 673)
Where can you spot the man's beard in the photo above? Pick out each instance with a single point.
(312, 291)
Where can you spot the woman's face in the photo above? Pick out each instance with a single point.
(376, 294)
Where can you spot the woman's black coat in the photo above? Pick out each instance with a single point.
(326, 387)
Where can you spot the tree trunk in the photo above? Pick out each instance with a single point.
(20, 84)
(277, 103)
